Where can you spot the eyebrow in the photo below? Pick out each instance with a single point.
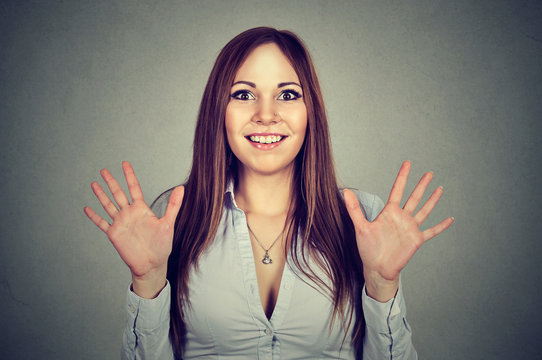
(287, 83)
(251, 84)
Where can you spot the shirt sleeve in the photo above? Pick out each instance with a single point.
(146, 335)
(387, 334)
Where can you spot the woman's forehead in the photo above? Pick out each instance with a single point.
(266, 63)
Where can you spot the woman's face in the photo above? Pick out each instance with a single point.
(266, 117)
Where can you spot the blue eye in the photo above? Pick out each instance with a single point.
(289, 95)
(242, 95)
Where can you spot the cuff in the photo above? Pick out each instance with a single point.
(148, 314)
(384, 317)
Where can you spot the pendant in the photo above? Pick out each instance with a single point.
(266, 259)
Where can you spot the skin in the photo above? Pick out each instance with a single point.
(264, 193)
(260, 105)
(265, 101)
(142, 240)
(388, 243)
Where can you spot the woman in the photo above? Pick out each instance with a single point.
(258, 255)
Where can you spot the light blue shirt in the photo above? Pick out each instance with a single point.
(226, 319)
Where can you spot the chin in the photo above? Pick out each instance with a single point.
(268, 168)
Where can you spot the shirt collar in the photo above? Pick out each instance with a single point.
(229, 187)
(229, 194)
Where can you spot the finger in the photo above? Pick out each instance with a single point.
(115, 188)
(428, 206)
(398, 188)
(437, 229)
(107, 204)
(174, 204)
(96, 219)
(133, 184)
(352, 206)
(417, 194)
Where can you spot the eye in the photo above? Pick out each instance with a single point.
(289, 95)
(242, 95)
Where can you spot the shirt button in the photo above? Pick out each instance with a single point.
(268, 331)
(287, 286)
(132, 308)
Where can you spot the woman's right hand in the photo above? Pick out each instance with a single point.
(142, 240)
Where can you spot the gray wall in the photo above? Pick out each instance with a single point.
(454, 86)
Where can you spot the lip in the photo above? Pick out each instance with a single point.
(265, 147)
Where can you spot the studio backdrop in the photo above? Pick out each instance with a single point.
(453, 86)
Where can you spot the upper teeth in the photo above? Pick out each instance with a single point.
(266, 139)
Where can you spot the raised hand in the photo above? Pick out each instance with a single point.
(142, 240)
(388, 243)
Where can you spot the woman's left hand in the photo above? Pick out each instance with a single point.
(388, 243)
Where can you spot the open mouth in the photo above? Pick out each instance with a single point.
(267, 139)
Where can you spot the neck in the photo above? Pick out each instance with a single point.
(264, 194)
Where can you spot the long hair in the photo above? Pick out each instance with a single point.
(320, 231)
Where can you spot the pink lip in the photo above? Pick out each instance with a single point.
(265, 146)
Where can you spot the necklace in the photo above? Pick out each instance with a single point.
(266, 259)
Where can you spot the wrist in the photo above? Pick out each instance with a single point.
(149, 285)
(379, 288)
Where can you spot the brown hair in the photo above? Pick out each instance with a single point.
(326, 233)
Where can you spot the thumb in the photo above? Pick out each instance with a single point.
(352, 206)
(174, 204)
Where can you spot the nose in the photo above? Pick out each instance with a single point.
(266, 113)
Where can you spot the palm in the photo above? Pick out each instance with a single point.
(403, 236)
(388, 243)
(142, 240)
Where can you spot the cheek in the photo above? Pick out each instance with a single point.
(229, 123)
(236, 117)
(296, 116)
(233, 123)
(301, 120)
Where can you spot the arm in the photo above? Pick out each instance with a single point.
(387, 332)
(146, 335)
(144, 241)
(387, 239)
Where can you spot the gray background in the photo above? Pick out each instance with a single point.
(454, 86)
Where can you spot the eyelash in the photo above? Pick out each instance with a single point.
(292, 92)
